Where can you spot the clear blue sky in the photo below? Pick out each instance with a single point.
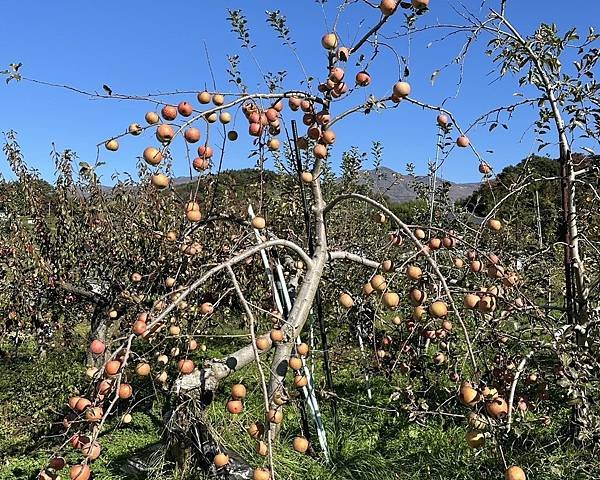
(139, 48)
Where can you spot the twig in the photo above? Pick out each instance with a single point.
(513, 387)
(263, 381)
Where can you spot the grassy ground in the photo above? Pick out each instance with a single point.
(33, 395)
(378, 445)
(371, 444)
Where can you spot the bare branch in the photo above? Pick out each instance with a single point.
(263, 381)
(339, 255)
(513, 387)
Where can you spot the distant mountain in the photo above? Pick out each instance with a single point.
(182, 180)
(393, 185)
(398, 188)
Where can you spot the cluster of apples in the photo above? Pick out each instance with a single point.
(235, 403)
(486, 299)
(462, 140)
(494, 407)
(296, 364)
(317, 127)
(165, 132)
(111, 381)
(335, 87)
(261, 120)
(79, 471)
(89, 412)
(256, 430)
(482, 420)
(430, 320)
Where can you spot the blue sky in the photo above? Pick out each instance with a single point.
(141, 48)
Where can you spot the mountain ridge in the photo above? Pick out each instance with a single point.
(397, 187)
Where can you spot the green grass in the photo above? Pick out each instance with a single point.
(33, 395)
(375, 445)
(371, 444)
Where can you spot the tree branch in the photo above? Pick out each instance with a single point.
(513, 387)
(256, 352)
(352, 257)
(88, 295)
(419, 246)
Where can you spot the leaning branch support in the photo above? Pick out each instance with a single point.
(217, 371)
